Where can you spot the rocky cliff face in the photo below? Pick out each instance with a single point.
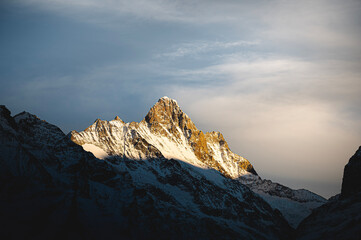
(340, 217)
(51, 188)
(165, 131)
(351, 183)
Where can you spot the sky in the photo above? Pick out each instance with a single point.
(280, 79)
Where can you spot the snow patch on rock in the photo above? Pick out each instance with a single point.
(96, 151)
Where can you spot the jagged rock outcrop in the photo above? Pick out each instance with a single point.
(165, 131)
(340, 217)
(351, 183)
(51, 188)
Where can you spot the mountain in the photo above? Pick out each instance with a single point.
(340, 217)
(44, 176)
(166, 131)
(51, 188)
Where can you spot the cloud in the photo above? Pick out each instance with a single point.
(109, 10)
(324, 23)
(196, 48)
(281, 78)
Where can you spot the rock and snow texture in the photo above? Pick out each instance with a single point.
(340, 217)
(166, 131)
(294, 205)
(52, 188)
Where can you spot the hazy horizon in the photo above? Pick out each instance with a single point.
(280, 80)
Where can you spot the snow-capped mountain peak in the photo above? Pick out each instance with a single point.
(117, 118)
(167, 111)
(168, 132)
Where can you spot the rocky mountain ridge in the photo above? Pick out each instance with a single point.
(295, 205)
(166, 131)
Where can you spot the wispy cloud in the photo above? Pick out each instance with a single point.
(285, 79)
(318, 22)
(204, 47)
(110, 10)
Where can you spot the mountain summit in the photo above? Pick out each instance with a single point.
(166, 131)
(167, 111)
